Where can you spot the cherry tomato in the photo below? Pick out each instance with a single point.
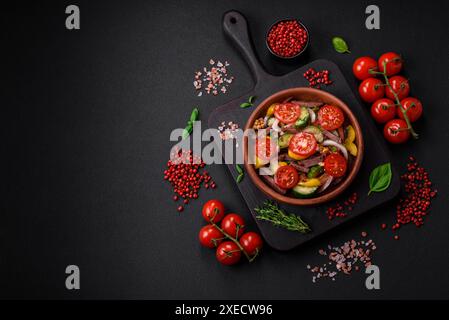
(229, 225)
(394, 63)
(383, 110)
(251, 242)
(228, 253)
(371, 89)
(330, 117)
(303, 144)
(286, 177)
(265, 148)
(362, 66)
(400, 85)
(213, 210)
(287, 112)
(413, 108)
(335, 165)
(210, 236)
(395, 131)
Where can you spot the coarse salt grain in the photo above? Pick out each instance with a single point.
(344, 259)
(213, 80)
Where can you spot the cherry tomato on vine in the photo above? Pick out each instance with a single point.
(395, 131)
(393, 63)
(400, 85)
(210, 236)
(228, 253)
(362, 66)
(229, 225)
(413, 109)
(251, 242)
(213, 210)
(335, 165)
(371, 89)
(383, 110)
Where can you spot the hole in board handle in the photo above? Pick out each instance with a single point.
(233, 20)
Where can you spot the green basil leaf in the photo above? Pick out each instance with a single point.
(245, 105)
(240, 178)
(380, 178)
(340, 45)
(187, 131)
(239, 168)
(194, 115)
(251, 99)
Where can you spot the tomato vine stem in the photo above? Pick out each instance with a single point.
(396, 97)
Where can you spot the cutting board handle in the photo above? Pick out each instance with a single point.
(236, 28)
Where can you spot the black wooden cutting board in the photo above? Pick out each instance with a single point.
(376, 153)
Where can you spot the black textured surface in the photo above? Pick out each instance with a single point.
(87, 116)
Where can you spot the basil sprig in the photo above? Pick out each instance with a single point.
(240, 172)
(249, 103)
(340, 45)
(189, 128)
(380, 178)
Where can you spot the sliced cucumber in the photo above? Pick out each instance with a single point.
(303, 118)
(284, 140)
(315, 171)
(270, 121)
(316, 132)
(303, 192)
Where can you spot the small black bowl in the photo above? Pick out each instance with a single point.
(300, 52)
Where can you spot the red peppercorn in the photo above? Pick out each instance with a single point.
(287, 38)
(180, 208)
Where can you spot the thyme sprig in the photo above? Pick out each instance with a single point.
(270, 211)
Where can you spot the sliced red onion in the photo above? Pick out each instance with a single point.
(265, 121)
(337, 145)
(275, 126)
(326, 184)
(265, 171)
(312, 115)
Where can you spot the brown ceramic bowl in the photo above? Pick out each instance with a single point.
(305, 94)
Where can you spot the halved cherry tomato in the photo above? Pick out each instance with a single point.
(400, 85)
(330, 117)
(413, 108)
(383, 110)
(287, 112)
(210, 236)
(265, 148)
(303, 145)
(286, 177)
(396, 131)
(335, 165)
(228, 253)
(362, 66)
(371, 89)
(393, 63)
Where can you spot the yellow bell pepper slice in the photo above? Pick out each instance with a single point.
(270, 110)
(282, 163)
(311, 183)
(259, 163)
(350, 132)
(352, 148)
(295, 156)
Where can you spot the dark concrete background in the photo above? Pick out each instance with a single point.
(87, 116)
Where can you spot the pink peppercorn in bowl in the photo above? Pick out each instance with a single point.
(287, 38)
